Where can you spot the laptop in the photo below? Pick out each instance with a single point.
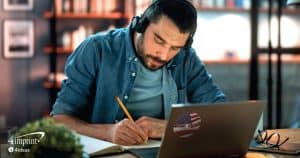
(210, 130)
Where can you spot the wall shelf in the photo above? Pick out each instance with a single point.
(293, 50)
(58, 50)
(50, 85)
(284, 11)
(244, 10)
(112, 15)
(222, 9)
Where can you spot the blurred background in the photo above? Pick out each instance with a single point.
(251, 48)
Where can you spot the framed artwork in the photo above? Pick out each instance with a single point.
(18, 38)
(17, 4)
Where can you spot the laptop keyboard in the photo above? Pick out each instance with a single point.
(145, 153)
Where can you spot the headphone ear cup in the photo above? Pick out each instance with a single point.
(142, 25)
(134, 23)
(139, 24)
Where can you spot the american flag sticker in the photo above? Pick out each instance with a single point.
(186, 124)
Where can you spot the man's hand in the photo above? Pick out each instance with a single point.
(155, 127)
(128, 132)
(125, 132)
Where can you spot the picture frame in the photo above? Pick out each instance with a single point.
(16, 5)
(18, 38)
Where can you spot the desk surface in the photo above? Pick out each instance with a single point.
(250, 154)
(294, 135)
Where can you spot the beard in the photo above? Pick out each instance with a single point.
(149, 61)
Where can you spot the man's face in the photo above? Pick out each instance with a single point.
(160, 43)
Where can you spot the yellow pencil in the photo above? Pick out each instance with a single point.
(124, 108)
(126, 112)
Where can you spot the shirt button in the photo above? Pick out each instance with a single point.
(126, 97)
(133, 74)
(135, 59)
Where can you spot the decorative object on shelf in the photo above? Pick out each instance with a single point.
(54, 79)
(18, 38)
(18, 4)
(50, 140)
(79, 7)
(78, 35)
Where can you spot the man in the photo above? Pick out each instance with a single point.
(149, 65)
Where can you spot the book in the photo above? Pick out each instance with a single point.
(58, 6)
(96, 147)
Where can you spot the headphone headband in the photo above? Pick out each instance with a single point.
(140, 23)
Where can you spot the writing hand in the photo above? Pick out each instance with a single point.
(155, 127)
(127, 132)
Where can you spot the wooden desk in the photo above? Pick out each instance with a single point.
(250, 154)
(294, 135)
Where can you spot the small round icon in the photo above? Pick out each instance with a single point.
(187, 124)
(11, 149)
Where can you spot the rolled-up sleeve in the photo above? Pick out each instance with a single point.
(81, 70)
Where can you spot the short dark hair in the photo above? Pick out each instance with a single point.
(181, 12)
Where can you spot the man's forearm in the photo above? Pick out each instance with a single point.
(100, 131)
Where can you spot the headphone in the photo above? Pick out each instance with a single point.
(140, 23)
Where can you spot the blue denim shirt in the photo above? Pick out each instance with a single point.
(104, 66)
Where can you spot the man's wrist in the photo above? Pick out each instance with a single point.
(102, 131)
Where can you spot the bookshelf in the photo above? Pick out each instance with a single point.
(70, 22)
(113, 15)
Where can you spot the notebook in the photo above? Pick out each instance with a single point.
(211, 130)
(97, 147)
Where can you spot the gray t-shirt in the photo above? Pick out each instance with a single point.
(146, 97)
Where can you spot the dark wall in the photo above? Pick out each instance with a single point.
(22, 96)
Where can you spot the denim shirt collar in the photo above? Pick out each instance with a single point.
(176, 60)
(130, 50)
